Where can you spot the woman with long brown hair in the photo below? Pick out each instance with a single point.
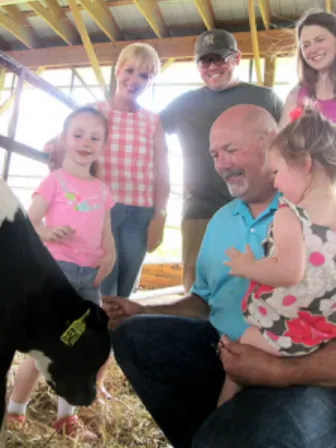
(316, 63)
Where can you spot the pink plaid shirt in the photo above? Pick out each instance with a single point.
(127, 163)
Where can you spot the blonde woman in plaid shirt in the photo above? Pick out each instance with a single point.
(134, 165)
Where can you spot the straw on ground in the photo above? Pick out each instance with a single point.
(121, 423)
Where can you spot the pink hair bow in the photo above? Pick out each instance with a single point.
(295, 113)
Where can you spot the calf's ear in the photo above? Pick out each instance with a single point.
(97, 317)
(91, 315)
(89, 318)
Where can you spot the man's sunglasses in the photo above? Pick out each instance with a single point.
(215, 59)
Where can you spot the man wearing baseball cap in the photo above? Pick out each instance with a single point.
(191, 116)
(218, 42)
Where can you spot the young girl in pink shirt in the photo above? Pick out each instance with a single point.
(77, 231)
(134, 165)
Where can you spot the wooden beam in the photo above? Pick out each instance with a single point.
(100, 13)
(23, 150)
(13, 125)
(269, 71)
(2, 80)
(4, 44)
(205, 11)
(158, 275)
(13, 2)
(328, 7)
(109, 4)
(166, 64)
(254, 38)
(14, 66)
(16, 30)
(57, 19)
(113, 81)
(84, 83)
(265, 12)
(23, 22)
(89, 49)
(151, 12)
(275, 42)
(7, 104)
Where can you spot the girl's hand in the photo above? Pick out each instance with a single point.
(239, 262)
(56, 233)
(104, 266)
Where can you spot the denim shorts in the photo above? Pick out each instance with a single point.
(82, 279)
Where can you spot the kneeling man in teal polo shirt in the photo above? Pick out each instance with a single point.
(168, 352)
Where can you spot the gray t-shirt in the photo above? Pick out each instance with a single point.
(191, 116)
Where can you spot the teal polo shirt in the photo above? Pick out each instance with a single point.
(232, 226)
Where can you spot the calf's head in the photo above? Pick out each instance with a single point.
(70, 349)
(42, 314)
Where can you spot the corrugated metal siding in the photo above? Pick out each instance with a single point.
(90, 24)
(230, 10)
(180, 13)
(294, 8)
(24, 7)
(129, 17)
(6, 35)
(41, 27)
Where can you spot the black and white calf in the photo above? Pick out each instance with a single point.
(41, 314)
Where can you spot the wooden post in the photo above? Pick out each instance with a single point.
(14, 66)
(2, 80)
(7, 104)
(113, 81)
(269, 75)
(13, 123)
(84, 83)
(250, 71)
(72, 82)
(254, 39)
(206, 12)
(89, 48)
(167, 64)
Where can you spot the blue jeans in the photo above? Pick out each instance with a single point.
(129, 228)
(172, 365)
(82, 279)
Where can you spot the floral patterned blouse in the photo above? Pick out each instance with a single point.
(298, 319)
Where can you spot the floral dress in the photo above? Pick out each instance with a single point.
(297, 320)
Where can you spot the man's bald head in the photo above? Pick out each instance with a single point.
(246, 116)
(238, 142)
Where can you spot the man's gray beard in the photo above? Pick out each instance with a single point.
(236, 191)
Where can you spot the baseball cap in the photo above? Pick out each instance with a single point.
(214, 42)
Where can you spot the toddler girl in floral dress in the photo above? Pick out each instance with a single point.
(291, 299)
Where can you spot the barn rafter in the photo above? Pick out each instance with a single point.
(81, 33)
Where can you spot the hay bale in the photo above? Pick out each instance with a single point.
(121, 423)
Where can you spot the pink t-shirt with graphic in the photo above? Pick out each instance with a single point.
(82, 205)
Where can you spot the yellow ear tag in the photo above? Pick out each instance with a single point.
(75, 331)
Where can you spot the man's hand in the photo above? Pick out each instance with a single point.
(239, 262)
(118, 309)
(250, 366)
(155, 232)
(104, 266)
